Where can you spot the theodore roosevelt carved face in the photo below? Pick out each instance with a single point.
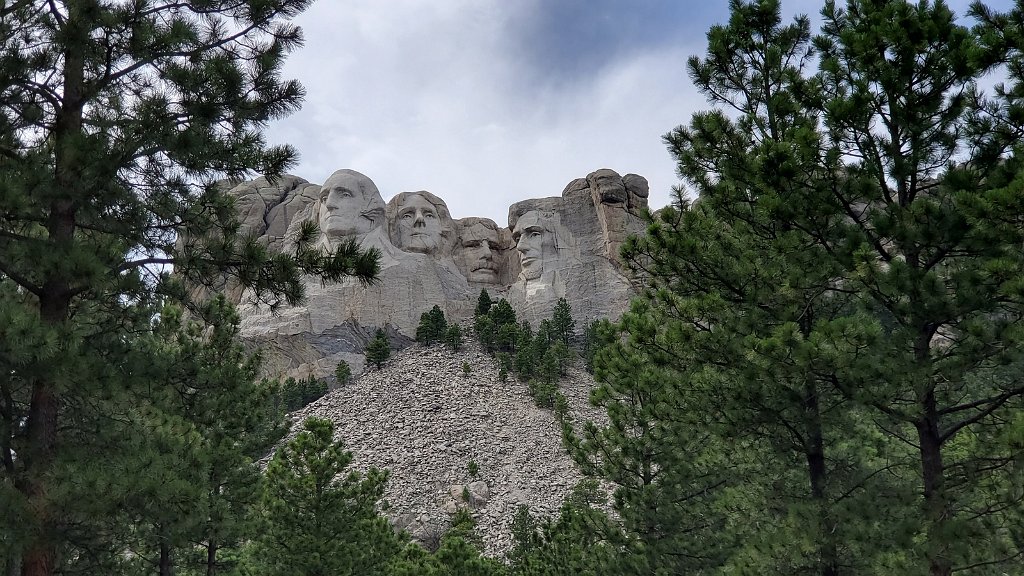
(480, 242)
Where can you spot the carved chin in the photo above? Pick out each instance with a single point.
(419, 243)
(336, 227)
(532, 270)
(418, 248)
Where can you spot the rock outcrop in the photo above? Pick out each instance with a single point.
(563, 246)
(452, 440)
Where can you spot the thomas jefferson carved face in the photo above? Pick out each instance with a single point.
(349, 205)
(419, 225)
(535, 240)
(480, 244)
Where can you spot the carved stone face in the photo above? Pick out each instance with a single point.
(349, 205)
(536, 242)
(479, 247)
(419, 225)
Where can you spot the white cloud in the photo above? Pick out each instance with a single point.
(432, 95)
(457, 97)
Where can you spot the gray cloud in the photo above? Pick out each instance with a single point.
(487, 102)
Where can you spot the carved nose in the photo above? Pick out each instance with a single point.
(419, 221)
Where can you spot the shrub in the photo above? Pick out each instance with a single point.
(544, 393)
(432, 327)
(295, 394)
(483, 304)
(453, 337)
(562, 324)
(378, 350)
(343, 373)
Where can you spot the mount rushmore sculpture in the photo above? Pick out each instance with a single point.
(564, 246)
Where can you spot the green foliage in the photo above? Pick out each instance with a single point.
(466, 369)
(563, 327)
(483, 304)
(296, 394)
(580, 540)
(502, 313)
(320, 517)
(497, 330)
(473, 468)
(457, 555)
(484, 329)
(543, 392)
(453, 337)
(119, 120)
(343, 373)
(378, 350)
(809, 382)
(597, 334)
(539, 359)
(433, 327)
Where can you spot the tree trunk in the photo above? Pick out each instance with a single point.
(211, 558)
(818, 475)
(936, 503)
(39, 557)
(166, 564)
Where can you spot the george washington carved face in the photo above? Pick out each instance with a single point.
(349, 205)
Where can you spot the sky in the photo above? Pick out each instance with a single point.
(488, 102)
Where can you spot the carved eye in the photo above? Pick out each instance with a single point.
(343, 192)
(406, 215)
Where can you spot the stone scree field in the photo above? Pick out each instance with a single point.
(422, 419)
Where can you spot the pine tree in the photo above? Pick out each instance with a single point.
(484, 329)
(453, 337)
(432, 327)
(576, 541)
(221, 396)
(483, 304)
(833, 313)
(320, 517)
(562, 325)
(118, 120)
(378, 350)
(597, 334)
(343, 373)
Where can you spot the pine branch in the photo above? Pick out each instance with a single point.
(994, 404)
(20, 280)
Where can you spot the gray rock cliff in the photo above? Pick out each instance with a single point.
(562, 246)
